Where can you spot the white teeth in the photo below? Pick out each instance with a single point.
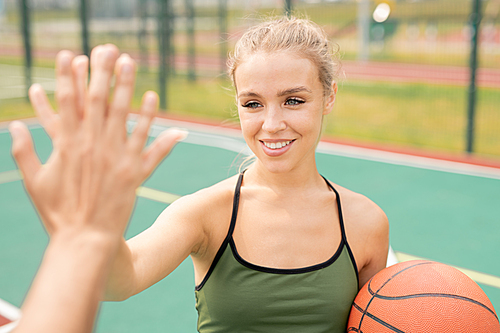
(276, 145)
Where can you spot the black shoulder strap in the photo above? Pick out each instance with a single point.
(236, 202)
(224, 244)
(339, 208)
(342, 228)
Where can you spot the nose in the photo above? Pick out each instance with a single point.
(274, 120)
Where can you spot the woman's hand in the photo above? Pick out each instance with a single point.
(89, 181)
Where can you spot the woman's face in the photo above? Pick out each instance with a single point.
(281, 104)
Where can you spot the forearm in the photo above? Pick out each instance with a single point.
(120, 283)
(69, 285)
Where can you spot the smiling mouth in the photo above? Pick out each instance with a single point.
(276, 145)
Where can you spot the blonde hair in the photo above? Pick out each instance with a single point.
(295, 35)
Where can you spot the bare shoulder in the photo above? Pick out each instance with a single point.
(362, 213)
(208, 199)
(367, 229)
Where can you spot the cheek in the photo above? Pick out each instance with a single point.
(308, 122)
(249, 123)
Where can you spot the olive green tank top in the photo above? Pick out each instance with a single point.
(238, 296)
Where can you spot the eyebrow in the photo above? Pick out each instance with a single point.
(293, 91)
(279, 94)
(248, 94)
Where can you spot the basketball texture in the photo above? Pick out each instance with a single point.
(422, 296)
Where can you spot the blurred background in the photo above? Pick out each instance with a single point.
(417, 74)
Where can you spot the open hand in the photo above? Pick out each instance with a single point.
(89, 181)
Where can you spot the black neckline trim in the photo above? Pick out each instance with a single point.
(300, 270)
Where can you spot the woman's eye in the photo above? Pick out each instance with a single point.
(252, 105)
(294, 101)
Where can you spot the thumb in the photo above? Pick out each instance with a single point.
(161, 147)
(24, 151)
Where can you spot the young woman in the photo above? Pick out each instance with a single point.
(277, 248)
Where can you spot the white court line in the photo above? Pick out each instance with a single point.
(483, 278)
(144, 192)
(408, 160)
(10, 176)
(156, 195)
(11, 312)
(392, 259)
(9, 327)
(210, 140)
(41, 75)
(214, 135)
(232, 140)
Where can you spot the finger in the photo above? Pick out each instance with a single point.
(160, 148)
(139, 137)
(65, 91)
(48, 119)
(24, 151)
(124, 90)
(102, 61)
(80, 68)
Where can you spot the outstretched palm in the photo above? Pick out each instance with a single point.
(95, 167)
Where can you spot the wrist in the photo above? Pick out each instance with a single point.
(85, 241)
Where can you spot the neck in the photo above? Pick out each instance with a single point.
(304, 177)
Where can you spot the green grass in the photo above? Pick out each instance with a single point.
(427, 116)
(409, 115)
(17, 108)
(206, 98)
(19, 61)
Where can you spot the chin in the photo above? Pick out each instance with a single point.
(276, 167)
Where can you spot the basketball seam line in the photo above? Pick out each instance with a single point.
(378, 320)
(375, 293)
(463, 298)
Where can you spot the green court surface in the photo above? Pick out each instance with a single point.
(443, 211)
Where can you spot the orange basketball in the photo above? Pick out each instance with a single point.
(422, 296)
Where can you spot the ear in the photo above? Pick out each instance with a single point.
(330, 100)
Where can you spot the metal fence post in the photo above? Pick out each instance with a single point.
(171, 46)
(288, 8)
(190, 16)
(164, 50)
(223, 34)
(84, 10)
(364, 30)
(26, 31)
(475, 20)
(142, 35)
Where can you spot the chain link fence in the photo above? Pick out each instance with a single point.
(407, 64)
